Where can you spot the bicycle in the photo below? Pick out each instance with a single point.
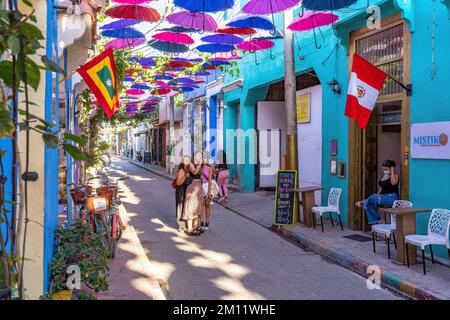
(80, 194)
(105, 212)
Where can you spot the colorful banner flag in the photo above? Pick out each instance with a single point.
(100, 76)
(366, 82)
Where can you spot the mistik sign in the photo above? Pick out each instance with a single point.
(430, 140)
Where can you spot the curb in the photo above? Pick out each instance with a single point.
(388, 279)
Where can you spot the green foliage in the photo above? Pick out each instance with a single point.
(79, 245)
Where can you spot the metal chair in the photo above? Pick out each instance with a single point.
(389, 229)
(333, 206)
(438, 231)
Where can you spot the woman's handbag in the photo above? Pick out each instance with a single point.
(214, 188)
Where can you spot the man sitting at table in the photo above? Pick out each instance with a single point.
(386, 195)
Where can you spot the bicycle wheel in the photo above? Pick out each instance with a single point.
(114, 235)
(102, 227)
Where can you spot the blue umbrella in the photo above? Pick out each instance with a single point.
(123, 33)
(168, 46)
(196, 60)
(150, 104)
(215, 47)
(146, 62)
(216, 63)
(161, 77)
(204, 5)
(140, 86)
(128, 79)
(325, 5)
(254, 22)
(119, 24)
(223, 39)
(186, 89)
(202, 73)
(186, 80)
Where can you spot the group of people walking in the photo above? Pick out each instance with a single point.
(195, 187)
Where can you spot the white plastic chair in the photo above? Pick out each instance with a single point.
(333, 206)
(438, 231)
(388, 230)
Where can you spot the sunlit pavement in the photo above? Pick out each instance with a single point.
(234, 259)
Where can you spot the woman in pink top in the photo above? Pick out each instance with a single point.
(206, 176)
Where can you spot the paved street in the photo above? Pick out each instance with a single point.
(234, 259)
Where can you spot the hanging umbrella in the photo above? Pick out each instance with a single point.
(179, 29)
(135, 92)
(168, 46)
(204, 5)
(161, 90)
(216, 63)
(325, 5)
(185, 89)
(123, 33)
(255, 45)
(134, 12)
(179, 64)
(119, 24)
(225, 56)
(263, 7)
(186, 80)
(195, 20)
(163, 77)
(254, 22)
(144, 61)
(124, 43)
(215, 47)
(140, 86)
(240, 31)
(223, 39)
(311, 20)
(202, 74)
(174, 37)
(128, 79)
(135, 2)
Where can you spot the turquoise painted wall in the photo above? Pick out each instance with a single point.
(428, 103)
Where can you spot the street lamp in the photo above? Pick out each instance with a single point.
(335, 86)
(220, 100)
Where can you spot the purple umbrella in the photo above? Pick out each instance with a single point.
(263, 7)
(223, 38)
(120, 24)
(195, 20)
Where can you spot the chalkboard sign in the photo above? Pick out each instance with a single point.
(285, 198)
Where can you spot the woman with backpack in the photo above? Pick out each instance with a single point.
(180, 184)
(193, 201)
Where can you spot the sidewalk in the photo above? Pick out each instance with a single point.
(129, 275)
(356, 256)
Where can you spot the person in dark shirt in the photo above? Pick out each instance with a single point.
(386, 195)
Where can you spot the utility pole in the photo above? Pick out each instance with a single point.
(290, 92)
(171, 109)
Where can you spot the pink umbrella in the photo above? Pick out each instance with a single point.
(263, 7)
(124, 43)
(132, 1)
(255, 45)
(311, 20)
(174, 37)
(195, 20)
(135, 92)
(225, 56)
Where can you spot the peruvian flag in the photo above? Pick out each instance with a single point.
(366, 82)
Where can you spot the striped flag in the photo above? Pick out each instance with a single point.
(100, 76)
(366, 82)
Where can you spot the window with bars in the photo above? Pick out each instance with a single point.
(385, 49)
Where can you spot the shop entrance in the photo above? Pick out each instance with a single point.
(387, 133)
(381, 140)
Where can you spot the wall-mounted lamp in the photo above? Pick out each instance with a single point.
(335, 86)
(221, 100)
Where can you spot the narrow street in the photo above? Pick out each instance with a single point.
(234, 259)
